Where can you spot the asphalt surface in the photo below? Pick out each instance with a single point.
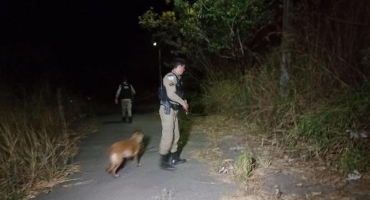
(191, 180)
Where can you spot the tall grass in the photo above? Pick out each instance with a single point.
(326, 129)
(35, 144)
(328, 87)
(315, 117)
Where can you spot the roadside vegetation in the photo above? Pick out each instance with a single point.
(301, 82)
(306, 87)
(316, 126)
(39, 135)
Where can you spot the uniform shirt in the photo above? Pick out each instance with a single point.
(169, 82)
(133, 92)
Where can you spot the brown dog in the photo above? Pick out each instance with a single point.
(124, 149)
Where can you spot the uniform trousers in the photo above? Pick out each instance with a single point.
(170, 131)
(126, 106)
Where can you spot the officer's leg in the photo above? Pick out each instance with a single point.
(123, 107)
(166, 139)
(176, 135)
(129, 110)
(175, 157)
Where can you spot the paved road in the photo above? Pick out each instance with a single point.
(191, 180)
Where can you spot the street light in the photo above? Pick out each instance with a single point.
(159, 62)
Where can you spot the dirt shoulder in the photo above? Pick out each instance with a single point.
(278, 173)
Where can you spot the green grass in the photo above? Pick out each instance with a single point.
(353, 159)
(244, 165)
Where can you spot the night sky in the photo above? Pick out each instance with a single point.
(90, 44)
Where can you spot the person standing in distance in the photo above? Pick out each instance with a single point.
(125, 93)
(171, 99)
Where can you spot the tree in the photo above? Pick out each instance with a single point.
(223, 28)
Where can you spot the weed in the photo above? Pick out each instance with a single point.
(244, 166)
(353, 159)
(263, 161)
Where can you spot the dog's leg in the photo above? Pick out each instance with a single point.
(115, 163)
(114, 171)
(136, 158)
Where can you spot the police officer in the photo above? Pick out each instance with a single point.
(171, 100)
(125, 93)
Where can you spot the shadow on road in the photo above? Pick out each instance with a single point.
(112, 122)
(185, 123)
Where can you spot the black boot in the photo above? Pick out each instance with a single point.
(175, 159)
(165, 165)
(130, 120)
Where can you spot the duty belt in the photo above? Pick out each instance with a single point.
(173, 106)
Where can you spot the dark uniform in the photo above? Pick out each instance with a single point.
(125, 93)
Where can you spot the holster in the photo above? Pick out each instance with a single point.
(167, 107)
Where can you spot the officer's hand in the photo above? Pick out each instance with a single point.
(186, 106)
(116, 101)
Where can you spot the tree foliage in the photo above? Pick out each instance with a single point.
(223, 28)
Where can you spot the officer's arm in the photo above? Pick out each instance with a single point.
(133, 92)
(118, 91)
(170, 85)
